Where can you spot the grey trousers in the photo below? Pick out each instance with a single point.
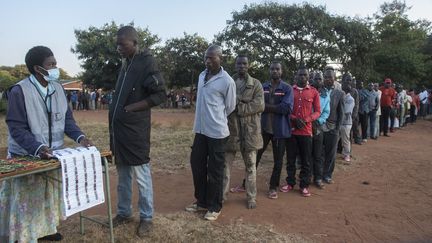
(249, 158)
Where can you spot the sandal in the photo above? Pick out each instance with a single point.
(237, 189)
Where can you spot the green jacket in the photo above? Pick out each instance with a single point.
(245, 121)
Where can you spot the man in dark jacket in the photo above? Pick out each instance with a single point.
(275, 125)
(332, 126)
(139, 87)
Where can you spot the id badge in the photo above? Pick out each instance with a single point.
(57, 116)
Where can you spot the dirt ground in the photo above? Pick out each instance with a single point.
(383, 195)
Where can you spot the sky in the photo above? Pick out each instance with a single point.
(27, 23)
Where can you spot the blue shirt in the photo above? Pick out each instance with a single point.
(325, 106)
(216, 99)
(283, 97)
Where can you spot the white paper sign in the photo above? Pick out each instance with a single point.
(82, 178)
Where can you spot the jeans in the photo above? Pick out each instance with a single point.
(372, 122)
(278, 145)
(401, 116)
(330, 144)
(385, 115)
(317, 157)
(344, 133)
(392, 118)
(249, 158)
(364, 124)
(124, 190)
(301, 145)
(208, 163)
(355, 129)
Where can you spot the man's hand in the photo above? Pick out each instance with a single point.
(299, 123)
(138, 106)
(85, 142)
(45, 152)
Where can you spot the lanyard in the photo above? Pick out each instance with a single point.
(48, 106)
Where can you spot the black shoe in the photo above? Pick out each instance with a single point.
(144, 228)
(386, 135)
(53, 237)
(119, 220)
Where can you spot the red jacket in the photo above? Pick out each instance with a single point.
(306, 107)
(388, 96)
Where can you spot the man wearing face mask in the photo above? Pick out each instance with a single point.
(139, 87)
(38, 117)
(306, 110)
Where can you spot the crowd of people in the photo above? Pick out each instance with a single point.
(94, 100)
(310, 119)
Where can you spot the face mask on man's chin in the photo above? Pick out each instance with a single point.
(53, 74)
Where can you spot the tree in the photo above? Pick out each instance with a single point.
(96, 48)
(64, 75)
(19, 71)
(398, 53)
(6, 80)
(354, 40)
(182, 59)
(291, 33)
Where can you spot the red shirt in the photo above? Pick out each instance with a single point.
(387, 96)
(306, 107)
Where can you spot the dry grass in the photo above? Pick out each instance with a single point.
(170, 152)
(179, 227)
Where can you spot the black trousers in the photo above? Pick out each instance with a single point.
(278, 145)
(208, 164)
(385, 115)
(392, 118)
(413, 117)
(364, 124)
(317, 161)
(330, 144)
(355, 129)
(299, 145)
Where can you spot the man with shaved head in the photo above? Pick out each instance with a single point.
(216, 99)
(139, 87)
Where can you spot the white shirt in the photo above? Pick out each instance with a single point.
(216, 99)
(424, 97)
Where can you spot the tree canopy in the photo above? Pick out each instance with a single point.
(182, 59)
(97, 50)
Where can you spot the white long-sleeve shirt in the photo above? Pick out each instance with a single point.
(216, 99)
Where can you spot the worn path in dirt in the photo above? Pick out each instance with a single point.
(384, 195)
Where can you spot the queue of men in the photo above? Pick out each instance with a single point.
(309, 120)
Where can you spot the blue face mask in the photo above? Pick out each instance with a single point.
(53, 74)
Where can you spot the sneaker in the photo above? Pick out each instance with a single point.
(328, 180)
(144, 228)
(53, 237)
(194, 208)
(305, 192)
(237, 189)
(211, 216)
(320, 184)
(364, 141)
(286, 188)
(272, 194)
(347, 158)
(119, 220)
